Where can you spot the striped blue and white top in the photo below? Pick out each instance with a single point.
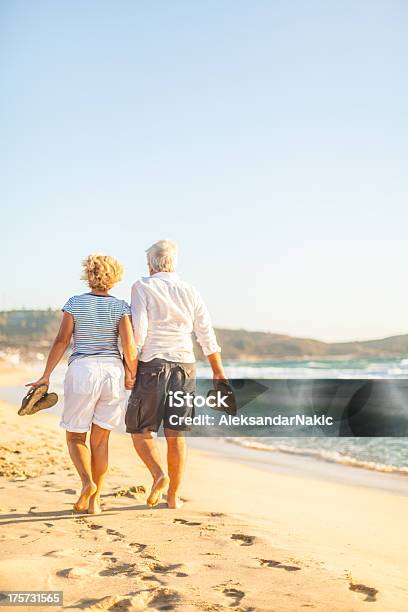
(96, 324)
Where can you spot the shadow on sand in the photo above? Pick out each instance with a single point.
(58, 515)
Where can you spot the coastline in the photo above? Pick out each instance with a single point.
(303, 466)
(250, 532)
(319, 457)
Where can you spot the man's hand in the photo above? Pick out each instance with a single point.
(223, 390)
(129, 382)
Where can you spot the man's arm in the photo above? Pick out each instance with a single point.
(139, 315)
(216, 365)
(205, 334)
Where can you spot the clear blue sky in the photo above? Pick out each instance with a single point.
(268, 138)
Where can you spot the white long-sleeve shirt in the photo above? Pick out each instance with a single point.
(165, 312)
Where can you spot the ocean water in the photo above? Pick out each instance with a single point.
(378, 454)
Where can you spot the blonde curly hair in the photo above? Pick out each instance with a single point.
(101, 272)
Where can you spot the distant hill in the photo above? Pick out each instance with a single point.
(241, 344)
(32, 331)
(29, 331)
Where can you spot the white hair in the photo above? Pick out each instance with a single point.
(162, 256)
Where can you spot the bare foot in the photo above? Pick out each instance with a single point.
(83, 500)
(173, 501)
(158, 487)
(94, 505)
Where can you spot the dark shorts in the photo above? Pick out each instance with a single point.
(152, 402)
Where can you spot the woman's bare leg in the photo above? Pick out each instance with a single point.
(147, 450)
(99, 463)
(81, 458)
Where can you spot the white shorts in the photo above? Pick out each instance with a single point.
(94, 392)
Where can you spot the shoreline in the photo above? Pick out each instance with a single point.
(304, 466)
(297, 461)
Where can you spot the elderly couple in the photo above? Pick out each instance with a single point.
(158, 359)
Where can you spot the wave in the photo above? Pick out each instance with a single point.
(306, 368)
(326, 455)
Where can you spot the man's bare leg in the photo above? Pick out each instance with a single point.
(176, 461)
(99, 463)
(147, 450)
(81, 458)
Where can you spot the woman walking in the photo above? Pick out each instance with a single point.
(95, 382)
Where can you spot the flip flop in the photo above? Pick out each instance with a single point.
(47, 401)
(35, 394)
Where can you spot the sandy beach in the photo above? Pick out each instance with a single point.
(283, 536)
(13, 375)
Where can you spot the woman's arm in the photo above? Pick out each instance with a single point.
(58, 349)
(129, 350)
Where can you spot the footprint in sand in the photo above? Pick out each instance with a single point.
(159, 598)
(235, 594)
(229, 590)
(185, 522)
(59, 554)
(86, 523)
(246, 540)
(149, 552)
(138, 547)
(369, 592)
(131, 492)
(205, 528)
(126, 569)
(151, 577)
(76, 572)
(117, 535)
(279, 565)
(159, 568)
(164, 599)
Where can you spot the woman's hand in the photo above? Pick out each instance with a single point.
(129, 382)
(129, 351)
(44, 380)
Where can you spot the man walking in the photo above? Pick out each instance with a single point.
(165, 312)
